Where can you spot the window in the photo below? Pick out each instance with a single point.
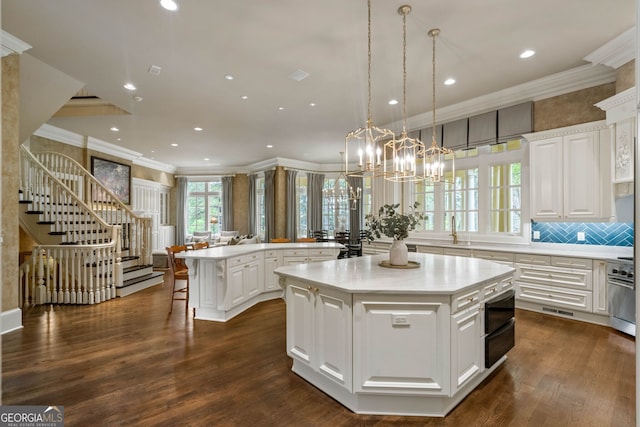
(260, 214)
(366, 198)
(461, 200)
(335, 205)
(484, 194)
(301, 204)
(505, 198)
(204, 200)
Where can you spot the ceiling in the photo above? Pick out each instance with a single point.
(104, 44)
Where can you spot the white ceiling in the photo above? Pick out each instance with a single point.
(107, 43)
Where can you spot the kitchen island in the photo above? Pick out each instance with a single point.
(392, 341)
(227, 280)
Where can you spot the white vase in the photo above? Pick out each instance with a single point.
(398, 253)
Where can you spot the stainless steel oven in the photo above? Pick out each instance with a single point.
(622, 295)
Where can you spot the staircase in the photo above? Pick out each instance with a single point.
(91, 247)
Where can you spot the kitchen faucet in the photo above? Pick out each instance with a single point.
(454, 233)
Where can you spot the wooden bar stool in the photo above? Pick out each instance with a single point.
(179, 272)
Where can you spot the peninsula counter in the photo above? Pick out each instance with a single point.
(224, 281)
(392, 341)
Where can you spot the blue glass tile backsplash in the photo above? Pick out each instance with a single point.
(595, 233)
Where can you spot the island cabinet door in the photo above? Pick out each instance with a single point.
(466, 347)
(319, 331)
(401, 345)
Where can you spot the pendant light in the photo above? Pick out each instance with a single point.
(341, 192)
(363, 146)
(434, 156)
(404, 150)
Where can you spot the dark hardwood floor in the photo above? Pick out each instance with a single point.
(126, 362)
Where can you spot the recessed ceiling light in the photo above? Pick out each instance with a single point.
(174, 145)
(228, 77)
(527, 54)
(118, 139)
(312, 104)
(393, 102)
(197, 129)
(153, 151)
(449, 81)
(129, 86)
(169, 5)
(269, 146)
(114, 129)
(137, 98)
(206, 159)
(244, 97)
(280, 108)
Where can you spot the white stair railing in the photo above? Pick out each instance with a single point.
(136, 230)
(79, 258)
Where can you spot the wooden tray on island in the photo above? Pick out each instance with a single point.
(411, 264)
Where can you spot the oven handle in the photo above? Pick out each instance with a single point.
(622, 284)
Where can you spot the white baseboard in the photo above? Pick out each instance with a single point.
(10, 320)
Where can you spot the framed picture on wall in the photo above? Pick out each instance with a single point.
(113, 175)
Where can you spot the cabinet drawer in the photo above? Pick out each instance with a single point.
(573, 299)
(555, 276)
(324, 253)
(491, 289)
(494, 256)
(295, 252)
(271, 254)
(464, 300)
(560, 261)
(533, 259)
(507, 284)
(239, 260)
(430, 250)
(457, 252)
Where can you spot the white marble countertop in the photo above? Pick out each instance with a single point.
(437, 274)
(223, 252)
(552, 249)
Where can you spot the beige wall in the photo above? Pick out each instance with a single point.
(626, 76)
(241, 203)
(10, 183)
(571, 108)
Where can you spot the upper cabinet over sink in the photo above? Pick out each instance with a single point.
(571, 173)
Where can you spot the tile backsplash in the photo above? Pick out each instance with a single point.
(595, 233)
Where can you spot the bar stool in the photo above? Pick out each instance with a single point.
(179, 272)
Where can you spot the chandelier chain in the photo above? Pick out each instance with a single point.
(369, 63)
(433, 34)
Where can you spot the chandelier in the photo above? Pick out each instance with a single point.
(404, 150)
(342, 191)
(434, 156)
(364, 145)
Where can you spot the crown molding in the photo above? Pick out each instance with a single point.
(620, 106)
(578, 78)
(76, 140)
(568, 130)
(154, 164)
(56, 134)
(616, 52)
(12, 44)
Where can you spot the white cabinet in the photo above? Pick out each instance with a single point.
(244, 280)
(467, 354)
(319, 325)
(272, 260)
(496, 256)
(600, 287)
(401, 345)
(570, 172)
(556, 286)
(303, 256)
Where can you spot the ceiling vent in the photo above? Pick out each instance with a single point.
(299, 75)
(155, 70)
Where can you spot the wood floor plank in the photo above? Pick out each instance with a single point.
(126, 362)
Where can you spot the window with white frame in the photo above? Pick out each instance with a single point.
(484, 193)
(335, 209)
(301, 204)
(204, 201)
(260, 214)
